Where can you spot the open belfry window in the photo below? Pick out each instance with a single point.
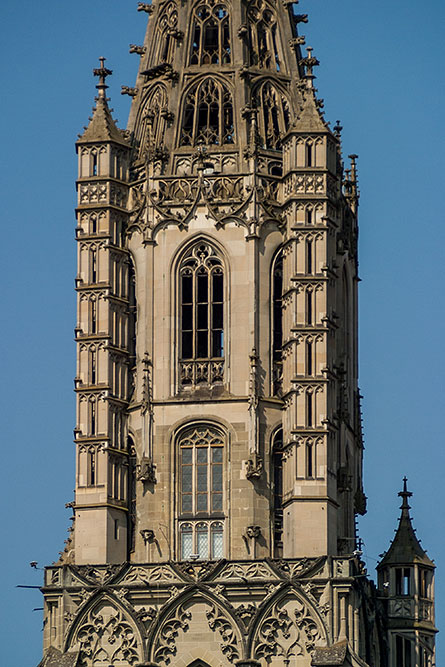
(165, 42)
(211, 35)
(208, 115)
(274, 117)
(201, 496)
(201, 316)
(263, 36)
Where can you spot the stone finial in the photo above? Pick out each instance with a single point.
(405, 494)
(309, 63)
(338, 129)
(102, 72)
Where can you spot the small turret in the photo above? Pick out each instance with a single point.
(406, 579)
(103, 336)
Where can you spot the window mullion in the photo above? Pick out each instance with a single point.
(209, 314)
(195, 114)
(194, 482)
(209, 483)
(194, 313)
(221, 115)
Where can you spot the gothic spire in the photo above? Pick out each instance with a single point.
(405, 547)
(102, 126)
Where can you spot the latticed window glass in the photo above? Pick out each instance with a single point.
(277, 323)
(165, 42)
(263, 36)
(201, 463)
(201, 472)
(203, 541)
(208, 115)
(274, 116)
(211, 35)
(202, 304)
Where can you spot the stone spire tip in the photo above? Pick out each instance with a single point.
(405, 494)
(102, 72)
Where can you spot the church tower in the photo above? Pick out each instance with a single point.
(218, 436)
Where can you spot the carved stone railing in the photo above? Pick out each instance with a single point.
(192, 373)
(218, 188)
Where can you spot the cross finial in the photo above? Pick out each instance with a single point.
(337, 129)
(309, 63)
(405, 494)
(102, 72)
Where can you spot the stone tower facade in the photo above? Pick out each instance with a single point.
(218, 435)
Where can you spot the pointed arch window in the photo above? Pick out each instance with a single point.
(201, 493)
(277, 459)
(201, 276)
(211, 35)
(208, 115)
(154, 120)
(263, 36)
(274, 117)
(277, 324)
(165, 34)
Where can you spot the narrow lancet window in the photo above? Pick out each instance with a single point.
(309, 314)
(93, 366)
(93, 311)
(309, 357)
(166, 29)
(92, 417)
(309, 251)
(274, 117)
(93, 259)
(309, 409)
(201, 316)
(309, 460)
(263, 36)
(91, 468)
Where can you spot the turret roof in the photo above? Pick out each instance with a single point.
(310, 118)
(405, 547)
(102, 126)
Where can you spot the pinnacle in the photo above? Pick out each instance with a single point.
(310, 118)
(102, 126)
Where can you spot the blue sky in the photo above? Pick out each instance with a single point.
(382, 74)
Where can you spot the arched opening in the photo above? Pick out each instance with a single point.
(201, 316)
(274, 115)
(208, 115)
(201, 453)
(211, 35)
